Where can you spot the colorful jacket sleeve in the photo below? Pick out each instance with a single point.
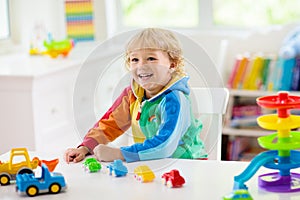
(175, 118)
(113, 123)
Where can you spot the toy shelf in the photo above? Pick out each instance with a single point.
(246, 133)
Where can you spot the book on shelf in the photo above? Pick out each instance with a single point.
(236, 146)
(234, 71)
(286, 75)
(272, 75)
(265, 72)
(239, 111)
(245, 115)
(250, 153)
(253, 78)
(238, 73)
(244, 122)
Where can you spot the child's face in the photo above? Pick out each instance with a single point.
(151, 69)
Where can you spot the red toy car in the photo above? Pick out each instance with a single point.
(172, 179)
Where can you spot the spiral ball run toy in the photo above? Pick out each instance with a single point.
(282, 154)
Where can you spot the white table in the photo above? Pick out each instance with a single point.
(208, 180)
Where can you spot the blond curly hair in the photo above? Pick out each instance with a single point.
(157, 38)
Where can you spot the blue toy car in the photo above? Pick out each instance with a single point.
(117, 168)
(51, 182)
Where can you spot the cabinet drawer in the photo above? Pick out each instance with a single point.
(57, 139)
(52, 110)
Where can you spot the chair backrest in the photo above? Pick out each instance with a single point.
(209, 105)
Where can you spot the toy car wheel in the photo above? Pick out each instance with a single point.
(163, 181)
(4, 179)
(54, 188)
(169, 184)
(140, 179)
(113, 173)
(65, 54)
(32, 191)
(53, 55)
(25, 171)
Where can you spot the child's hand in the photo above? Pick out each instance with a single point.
(75, 154)
(106, 153)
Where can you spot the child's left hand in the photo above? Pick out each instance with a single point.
(106, 153)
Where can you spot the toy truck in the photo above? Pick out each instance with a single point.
(51, 182)
(117, 168)
(173, 179)
(9, 170)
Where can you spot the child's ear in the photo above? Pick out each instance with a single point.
(172, 65)
(172, 68)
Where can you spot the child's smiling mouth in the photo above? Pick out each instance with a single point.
(144, 76)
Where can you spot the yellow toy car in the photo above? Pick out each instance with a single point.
(143, 173)
(9, 170)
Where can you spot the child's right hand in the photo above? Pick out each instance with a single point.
(75, 154)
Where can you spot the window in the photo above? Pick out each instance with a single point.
(4, 20)
(170, 13)
(200, 14)
(255, 13)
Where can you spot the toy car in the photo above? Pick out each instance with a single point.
(240, 194)
(52, 182)
(173, 179)
(56, 48)
(9, 170)
(92, 165)
(117, 168)
(143, 173)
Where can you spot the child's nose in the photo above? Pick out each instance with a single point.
(142, 63)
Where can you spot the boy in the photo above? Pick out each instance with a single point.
(156, 106)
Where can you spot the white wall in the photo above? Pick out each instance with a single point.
(267, 41)
(26, 14)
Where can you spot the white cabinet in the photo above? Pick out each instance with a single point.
(36, 103)
(39, 108)
(16, 114)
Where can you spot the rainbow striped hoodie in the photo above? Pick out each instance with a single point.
(163, 126)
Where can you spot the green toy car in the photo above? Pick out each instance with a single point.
(241, 194)
(92, 165)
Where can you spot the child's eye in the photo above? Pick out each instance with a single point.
(151, 59)
(134, 60)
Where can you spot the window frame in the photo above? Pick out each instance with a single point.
(206, 21)
(9, 22)
(7, 45)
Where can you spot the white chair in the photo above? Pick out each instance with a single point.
(209, 105)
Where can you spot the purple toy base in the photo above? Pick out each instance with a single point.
(274, 182)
